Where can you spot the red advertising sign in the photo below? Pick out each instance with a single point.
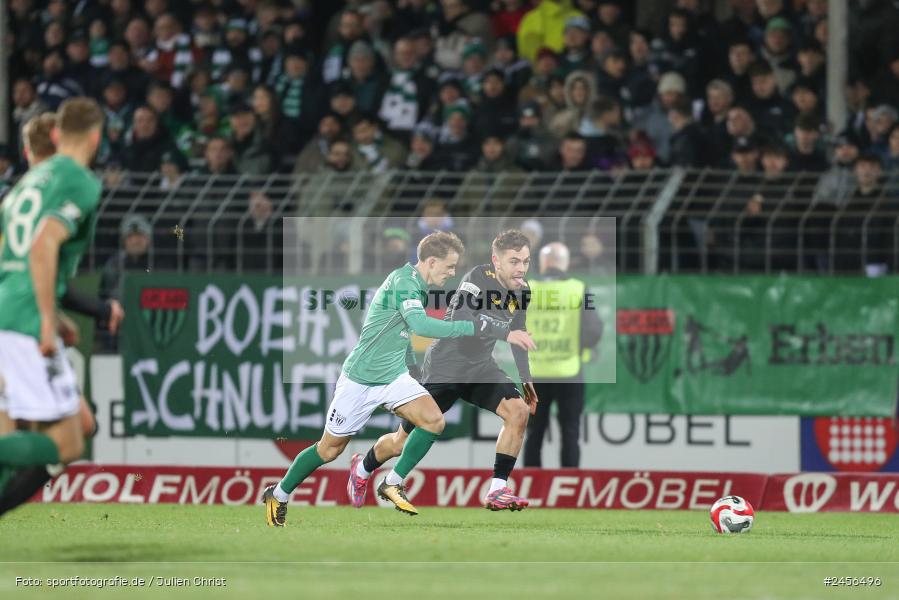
(428, 487)
(833, 492)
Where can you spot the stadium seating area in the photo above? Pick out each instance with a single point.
(210, 100)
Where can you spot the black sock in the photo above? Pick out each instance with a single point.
(22, 486)
(370, 462)
(503, 466)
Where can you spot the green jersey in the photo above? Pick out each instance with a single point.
(396, 309)
(58, 188)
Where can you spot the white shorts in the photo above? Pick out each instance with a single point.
(354, 403)
(36, 388)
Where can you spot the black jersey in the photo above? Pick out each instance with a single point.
(470, 359)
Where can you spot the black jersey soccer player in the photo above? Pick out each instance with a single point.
(464, 368)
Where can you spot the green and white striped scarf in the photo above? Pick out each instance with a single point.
(290, 91)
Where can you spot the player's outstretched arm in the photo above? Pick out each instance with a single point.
(421, 324)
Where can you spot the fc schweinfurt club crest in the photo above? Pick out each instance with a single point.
(164, 311)
(644, 340)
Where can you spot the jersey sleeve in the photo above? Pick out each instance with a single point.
(521, 356)
(75, 203)
(408, 298)
(469, 297)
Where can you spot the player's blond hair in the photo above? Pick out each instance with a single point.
(439, 244)
(36, 135)
(78, 116)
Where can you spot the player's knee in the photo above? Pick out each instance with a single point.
(517, 415)
(329, 452)
(433, 422)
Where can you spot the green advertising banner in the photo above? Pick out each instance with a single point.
(754, 345)
(208, 355)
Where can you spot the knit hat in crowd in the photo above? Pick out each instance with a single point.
(238, 24)
(578, 22)
(778, 23)
(458, 107)
(472, 48)
(135, 224)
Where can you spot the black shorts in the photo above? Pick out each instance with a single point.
(483, 394)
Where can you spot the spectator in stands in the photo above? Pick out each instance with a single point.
(532, 147)
(260, 236)
(406, 100)
(349, 31)
(315, 152)
(719, 100)
(740, 124)
(688, 144)
(26, 103)
(272, 49)
(507, 17)
(771, 112)
(434, 217)
(161, 98)
(218, 157)
(837, 183)
(678, 49)
(394, 248)
(421, 149)
(544, 26)
(891, 161)
(580, 92)
(887, 82)
(605, 147)
(136, 236)
(537, 87)
(252, 154)
(268, 115)
(205, 30)
(517, 71)
(775, 158)
(496, 110)
(640, 154)
(120, 65)
(140, 42)
(173, 54)
(590, 254)
(805, 154)
(745, 156)
(805, 98)
(572, 153)
(367, 83)
(654, 119)
(778, 52)
(860, 243)
(79, 67)
(118, 114)
(493, 157)
(812, 67)
(608, 18)
(640, 84)
(238, 49)
(740, 57)
(612, 77)
(460, 24)
(474, 64)
(879, 122)
(575, 54)
(146, 142)
(294, 96)
(457, 149)
(54, 86)
(340, 157)
(374, 150)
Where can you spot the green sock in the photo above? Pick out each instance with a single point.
(27, 448)
(303, 465)
(418, 444)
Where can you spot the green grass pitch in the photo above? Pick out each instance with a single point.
(443, 553)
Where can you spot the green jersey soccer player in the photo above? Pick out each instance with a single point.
(47, 223)
(375, 374)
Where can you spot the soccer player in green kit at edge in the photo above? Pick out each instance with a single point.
(376, 374)
(47, 221)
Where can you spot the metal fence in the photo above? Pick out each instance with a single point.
(666, 220)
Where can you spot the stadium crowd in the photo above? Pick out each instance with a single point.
(300, 86)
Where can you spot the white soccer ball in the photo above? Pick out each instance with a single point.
(732, 514)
